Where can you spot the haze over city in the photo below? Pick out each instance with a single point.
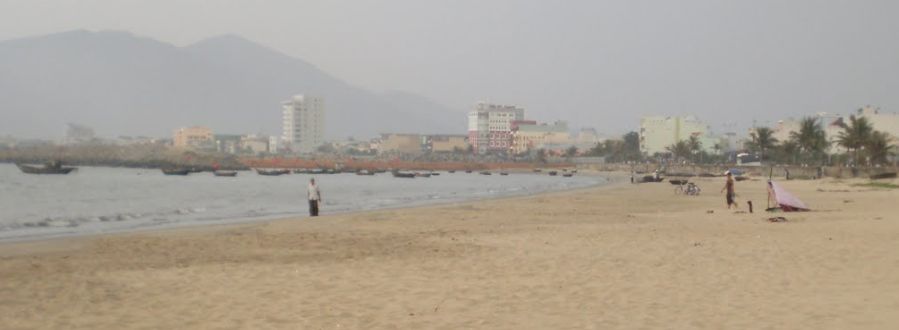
(594, 64)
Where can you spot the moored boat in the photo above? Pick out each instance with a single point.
(54, 167)
(271, 172)
(553, 173)
(175, 171)
(225, 173)
(398, 174)
(485, 173)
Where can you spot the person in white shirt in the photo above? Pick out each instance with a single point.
(315, 197)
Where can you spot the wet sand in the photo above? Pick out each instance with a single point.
(623, 256)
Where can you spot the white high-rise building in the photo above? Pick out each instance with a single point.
(304, 123)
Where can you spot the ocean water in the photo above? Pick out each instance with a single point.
(94, 200)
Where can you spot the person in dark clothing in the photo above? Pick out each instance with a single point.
(729, 187)
(315, 197)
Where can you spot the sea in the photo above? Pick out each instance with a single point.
(99, 200)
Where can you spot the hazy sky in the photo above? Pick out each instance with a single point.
(594, 63)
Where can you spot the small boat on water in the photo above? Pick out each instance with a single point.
(435, 173)
(54, 167)
(537, 170)
(175, 171)
(568, 175)
(503, 173)
(485, 173)
(398, 174)
(422, 175)
(271, 172)
(451, 171)
(467, 171)
(553, 173)
(365, 172)
(225, 173)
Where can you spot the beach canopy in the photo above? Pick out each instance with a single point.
(785, 200)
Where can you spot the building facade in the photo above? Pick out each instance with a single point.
(446, 143)
(303, 123)
(490, 126)
(401, 143)
(884, 122)
(196, 137)
(529, 137)
(659, 132)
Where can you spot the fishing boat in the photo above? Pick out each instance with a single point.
(271, 172)
(422, 175)
(504, 173)
(553, 173)
(451, 171)
(225, 173)
(175, 171)
(568, 175)
(537, 170)
(468, 171)
(485, 173)
(365, 172)
(398, 174)
(53, 167)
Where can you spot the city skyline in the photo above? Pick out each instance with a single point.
(603, 64)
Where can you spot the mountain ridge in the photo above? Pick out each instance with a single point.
(122, 84)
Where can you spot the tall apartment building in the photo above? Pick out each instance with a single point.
(659, 132)
(490, 126)
(304, 123)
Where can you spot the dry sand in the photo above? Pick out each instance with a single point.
(627, 256)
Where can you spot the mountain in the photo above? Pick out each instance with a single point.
(122, 84)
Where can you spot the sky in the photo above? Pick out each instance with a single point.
(594, 63)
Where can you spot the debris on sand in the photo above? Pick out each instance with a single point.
(777, 219)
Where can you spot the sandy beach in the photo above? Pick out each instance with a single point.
(623, 256)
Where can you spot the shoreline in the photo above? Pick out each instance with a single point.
(609, 178)
(615, 256)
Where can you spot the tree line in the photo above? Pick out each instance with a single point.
(864, 145)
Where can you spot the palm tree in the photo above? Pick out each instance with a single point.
(763, 139)
(694, 144)
(681, 149)
(790, 149)
(811, 137)
(856, 135)
(879, 147)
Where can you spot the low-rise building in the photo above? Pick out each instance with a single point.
(401, 143)
(528, 137)
(447, 143)
(253, 144)
(196, 137)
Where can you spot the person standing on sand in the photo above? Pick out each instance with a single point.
(729, 186)
(315, 197)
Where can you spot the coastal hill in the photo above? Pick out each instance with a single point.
(122, 84)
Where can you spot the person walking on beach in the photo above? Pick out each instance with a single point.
(315, 197)
(729, 186)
